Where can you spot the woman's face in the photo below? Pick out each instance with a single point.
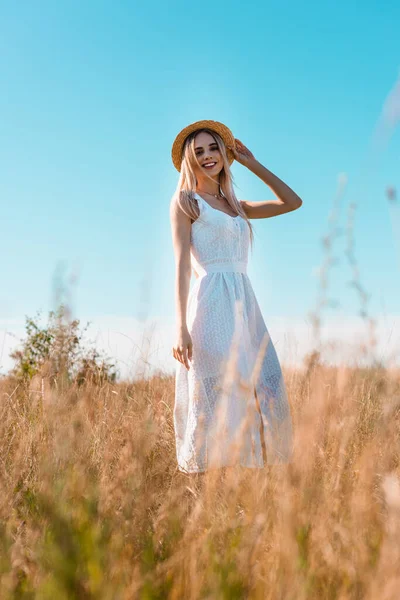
(207, 153)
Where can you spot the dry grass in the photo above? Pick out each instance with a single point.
(93, 506)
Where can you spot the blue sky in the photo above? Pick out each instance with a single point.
(93, 95)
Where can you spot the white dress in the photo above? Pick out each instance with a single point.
(218, 421)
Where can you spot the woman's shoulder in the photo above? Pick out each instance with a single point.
(187, 202)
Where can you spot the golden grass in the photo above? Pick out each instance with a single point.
(93, 506)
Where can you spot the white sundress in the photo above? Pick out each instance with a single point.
(218, 421)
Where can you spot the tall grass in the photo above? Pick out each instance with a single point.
(93, 506)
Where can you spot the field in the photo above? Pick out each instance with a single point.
(93, 506)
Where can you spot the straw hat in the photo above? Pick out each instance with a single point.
(220, 128)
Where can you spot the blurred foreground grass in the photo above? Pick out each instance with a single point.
(92, 504)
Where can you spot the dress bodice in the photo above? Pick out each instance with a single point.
(218, 239)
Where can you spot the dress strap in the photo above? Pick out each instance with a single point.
(199, 199)
(202, 204)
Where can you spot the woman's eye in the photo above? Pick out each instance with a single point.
(201, 152)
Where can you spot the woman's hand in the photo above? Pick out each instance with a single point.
(242, 153)
(182, 350)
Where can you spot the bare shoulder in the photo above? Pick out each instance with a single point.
(180, 208)
(180, 220)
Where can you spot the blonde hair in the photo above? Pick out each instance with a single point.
(184, 193)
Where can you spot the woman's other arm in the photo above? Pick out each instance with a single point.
(181, 227)
(287, 199)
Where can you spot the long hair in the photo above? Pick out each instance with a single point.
(184, 193)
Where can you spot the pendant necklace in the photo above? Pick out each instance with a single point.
(217, 196)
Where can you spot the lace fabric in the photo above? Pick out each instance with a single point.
(218, 420)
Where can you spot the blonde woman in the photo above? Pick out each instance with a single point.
(231, 406)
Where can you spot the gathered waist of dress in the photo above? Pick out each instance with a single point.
(221, 267)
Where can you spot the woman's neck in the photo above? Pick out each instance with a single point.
(208, 188)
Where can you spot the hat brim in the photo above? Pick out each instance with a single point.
(224, 131)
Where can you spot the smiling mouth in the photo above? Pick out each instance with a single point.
(209, 165)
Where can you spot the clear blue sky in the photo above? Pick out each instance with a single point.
(93, 94)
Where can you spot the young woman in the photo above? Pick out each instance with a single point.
(231, 405)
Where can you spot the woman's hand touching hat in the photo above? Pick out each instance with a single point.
(242, 154)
